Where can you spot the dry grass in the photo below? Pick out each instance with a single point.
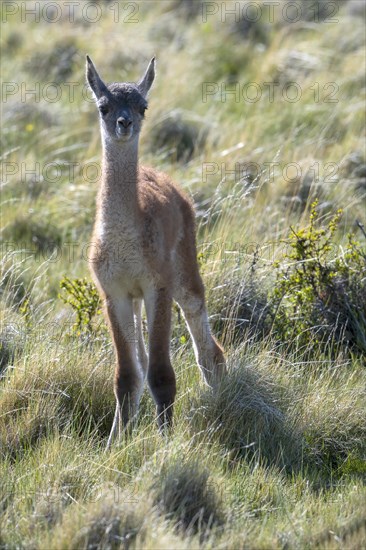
(276, 458)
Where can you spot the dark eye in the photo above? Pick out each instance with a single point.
(103, 109)
(142, 110)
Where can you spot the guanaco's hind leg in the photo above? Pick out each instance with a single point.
(190, 295)
(209, 354)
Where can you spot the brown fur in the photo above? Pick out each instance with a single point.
(144, 248)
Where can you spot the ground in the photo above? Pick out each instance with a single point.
(256, 112)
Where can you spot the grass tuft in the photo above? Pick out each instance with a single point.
(184, 493)
(246, 417)
(276, 457)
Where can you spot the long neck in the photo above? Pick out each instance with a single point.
(118, 192)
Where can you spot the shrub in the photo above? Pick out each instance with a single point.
(320, 300)
(84, 299)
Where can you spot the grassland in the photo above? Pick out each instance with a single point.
(277, 458)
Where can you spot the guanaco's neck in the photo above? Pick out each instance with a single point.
(117, 200)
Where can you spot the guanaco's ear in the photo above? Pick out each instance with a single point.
(95, 82)
(146, 81)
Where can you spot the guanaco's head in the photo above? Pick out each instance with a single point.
(121, 105)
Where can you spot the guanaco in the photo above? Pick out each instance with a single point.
(144, 250)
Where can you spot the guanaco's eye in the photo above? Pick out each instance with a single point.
(142, 110)
(103, 109)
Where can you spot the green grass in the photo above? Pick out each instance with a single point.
(276, 459)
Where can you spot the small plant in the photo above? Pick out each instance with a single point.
(83, 297)
(320, 299)
(26, 310)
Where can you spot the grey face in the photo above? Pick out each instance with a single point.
(122, 109)
(121, 106)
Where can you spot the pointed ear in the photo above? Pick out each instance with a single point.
(146, 81)
(95, 82)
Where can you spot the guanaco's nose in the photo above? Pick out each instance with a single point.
(125, 122)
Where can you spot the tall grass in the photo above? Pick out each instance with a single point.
(276, 459)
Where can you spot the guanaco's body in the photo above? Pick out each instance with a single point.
(144, 250)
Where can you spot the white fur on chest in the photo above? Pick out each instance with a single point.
(121, 256)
